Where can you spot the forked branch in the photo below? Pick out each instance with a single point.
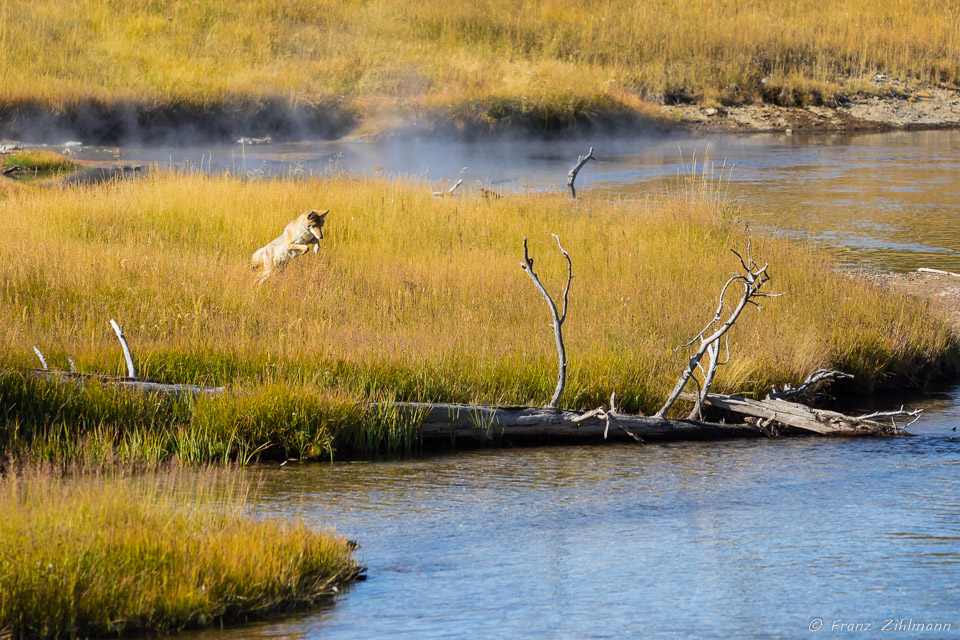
(608, 416)
(807, 387)
(752, 279)
(893, 415)
(558, 318)
(572, 176)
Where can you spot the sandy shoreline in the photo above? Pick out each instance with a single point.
(942, 288)
(926, 107)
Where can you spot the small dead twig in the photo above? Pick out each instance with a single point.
(558, 318)
(572, 176)
(442, 193)
(608, 416)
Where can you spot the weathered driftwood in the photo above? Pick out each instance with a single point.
(809, 387)
(938, 271)
(753, 279)
(535, 424)
(136, 384)
(572, 176)
(801, 416)
(131, 370)
(449, 192)
(608, 416)
(131, 381)
(43, 361)
(558, 318)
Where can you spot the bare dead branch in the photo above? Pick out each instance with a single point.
(572, 176)
(566, 290)
(753, 278)
(43, 361)
(816, 379)
(558, 320)
(131, 371)
(459, 181)
(893, 415)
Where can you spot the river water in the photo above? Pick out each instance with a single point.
(766, 538)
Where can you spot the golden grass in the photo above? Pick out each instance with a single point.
(423, 297)
(162, 550)
(481, 60)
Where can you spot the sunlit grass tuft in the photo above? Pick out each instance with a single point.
(157, 551)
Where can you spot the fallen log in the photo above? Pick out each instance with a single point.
(136, 384)
(534, 424)
(799, 416)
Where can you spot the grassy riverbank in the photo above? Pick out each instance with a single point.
(114, 554)
(410, 297)
(474, 63)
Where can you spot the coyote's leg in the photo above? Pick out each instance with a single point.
(302, 248)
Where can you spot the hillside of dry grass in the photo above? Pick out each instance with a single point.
(375, 63)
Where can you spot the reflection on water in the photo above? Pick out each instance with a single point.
(731, 539)
(886, 201)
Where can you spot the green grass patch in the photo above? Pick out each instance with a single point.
(38, 161)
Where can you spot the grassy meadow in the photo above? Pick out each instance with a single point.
(410, 298)
(476, 61)
(119, 554)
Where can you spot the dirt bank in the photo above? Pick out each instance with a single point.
(897, 107)
(97, 123)
(94, 123)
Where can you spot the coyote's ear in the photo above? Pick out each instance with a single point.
(323, 214)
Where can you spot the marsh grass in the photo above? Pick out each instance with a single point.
(115, 553)
(410, 298)
(39, 161)
(481, 62)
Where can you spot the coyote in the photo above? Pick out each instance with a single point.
(304, 230)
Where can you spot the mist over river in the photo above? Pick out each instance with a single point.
(885, 201)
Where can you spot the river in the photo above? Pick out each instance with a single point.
(768, 538)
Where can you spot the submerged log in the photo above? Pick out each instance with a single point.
(535, 424)
(799, 416)
(136, 384)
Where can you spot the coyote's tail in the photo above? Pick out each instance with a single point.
(256, 260)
